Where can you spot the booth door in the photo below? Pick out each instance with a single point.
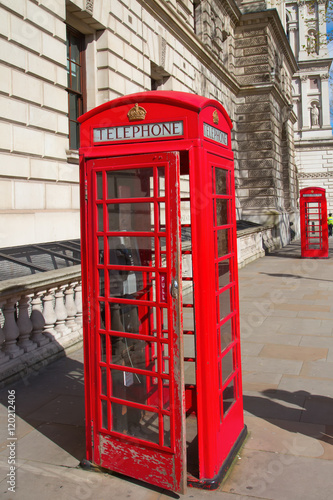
(135, 314)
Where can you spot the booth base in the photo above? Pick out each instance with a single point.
(214, 483)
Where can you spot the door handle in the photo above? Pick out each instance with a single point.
(174, 289)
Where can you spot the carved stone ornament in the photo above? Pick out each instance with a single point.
(136, 113)
(216, 117)
(90, 6)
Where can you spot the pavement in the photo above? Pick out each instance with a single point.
(286, 306)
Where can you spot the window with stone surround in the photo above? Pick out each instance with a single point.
(75, 84)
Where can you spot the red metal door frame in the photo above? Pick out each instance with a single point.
(125, 454)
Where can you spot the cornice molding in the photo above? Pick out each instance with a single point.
(182, 31)
(271, 17)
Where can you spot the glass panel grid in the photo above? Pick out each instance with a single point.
(141, 380)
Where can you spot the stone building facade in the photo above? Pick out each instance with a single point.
(60, 58)
(306, 29)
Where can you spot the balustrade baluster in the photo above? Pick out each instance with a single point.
(78, 304)
(49, 314)
(3, 356)
(25, 325)
(61, 313)
(38, 320)
(11, 330)
(71, 308)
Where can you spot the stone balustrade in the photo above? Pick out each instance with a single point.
(40, 319)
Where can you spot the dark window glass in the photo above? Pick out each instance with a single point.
(75, 44)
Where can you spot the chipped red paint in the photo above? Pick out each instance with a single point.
(195, 142)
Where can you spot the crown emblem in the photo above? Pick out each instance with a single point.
(136, 113)
(216, 117)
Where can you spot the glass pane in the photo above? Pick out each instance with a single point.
(161, 182)
(228, 397)
(189, 369)
(223, 276)
(99, 182)
(73, 106)
(224, 303)
(103, 381)
(132, 352)
(134, 422)
(100, 250)
(101, 282)
(184, 186)
(162, 216)
(166, 426)
(162, 262)
(165, 358)
(102, 315)
(75, 48)
(131, 217)
(189, 346)
(185, 211)
(222, 212)
(222, 242)
(188, 318)
(103, 348)
(100, 225)
(74, 134)
(221, 177)
(227, 365)
(136, 388)
(226, 334)
(131, 251)
(76, 77)
(105, 420)
(131, 183)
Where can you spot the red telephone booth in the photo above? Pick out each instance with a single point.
(161, 324)
(314, 229)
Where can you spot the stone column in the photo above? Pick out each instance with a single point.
(37, 320)
(3, 356)
(61, 313)
(11, 330)
(49, 314)
(305, 110)
(78, 304)
(24, 324)
(325, 109)
(71, 308)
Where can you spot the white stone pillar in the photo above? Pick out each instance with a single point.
(305, 110)
(49, 314)
(11, 330)
(78, 304)
(61, 313)
(71, 308)
(3, 357)
(325, 99)
(38, 320)
(24, 324)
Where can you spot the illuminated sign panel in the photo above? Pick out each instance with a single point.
(139, 131)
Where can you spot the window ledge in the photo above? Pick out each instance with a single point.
(72, 155)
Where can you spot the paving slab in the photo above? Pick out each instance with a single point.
(278, 476)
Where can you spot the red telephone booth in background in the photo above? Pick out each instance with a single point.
(161, 323)
(314, 229)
